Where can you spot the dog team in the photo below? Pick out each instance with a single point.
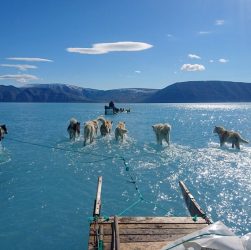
(162, 132)
(91, 129)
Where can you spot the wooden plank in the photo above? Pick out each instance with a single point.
(91, 243)
(192, 205)
(113, 240)
(101, 234)
(144, 238)
(153, 226)
(143, 245)
(116, 227)
(107, 246)
(171, 220)
(148, 231)
(137, 245)
(97, 206)
(162, 225)
(154, 220)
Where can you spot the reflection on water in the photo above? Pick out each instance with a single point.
(47, 192)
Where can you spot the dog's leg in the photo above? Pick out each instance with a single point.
(116, 136)
(237, 145)
(167, 139)
(157, 139)
(221, 142)
(92, 135)
(86, 136)
(160, 139)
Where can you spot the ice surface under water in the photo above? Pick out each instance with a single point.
(48, 183)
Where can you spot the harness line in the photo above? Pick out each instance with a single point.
(104, 158)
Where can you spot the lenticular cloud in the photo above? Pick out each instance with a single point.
(103, 48)
(29, 59)
(22, 67)
(23, 78)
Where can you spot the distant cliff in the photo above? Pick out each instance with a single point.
(197, 91)
(203, 91)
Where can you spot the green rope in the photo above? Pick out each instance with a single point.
(106, 218)
(100, 245)
(195, 218)
(133, 181)
(131, 206)
(104, 158)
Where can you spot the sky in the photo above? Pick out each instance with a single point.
(124, 43)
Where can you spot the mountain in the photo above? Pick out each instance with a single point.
(193, 91)
(203, 91)
(70, 93)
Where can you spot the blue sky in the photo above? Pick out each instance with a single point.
(124, 43)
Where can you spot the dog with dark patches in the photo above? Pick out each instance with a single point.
(106, 126)
(3, 131)
(73, 129)
(229, 136)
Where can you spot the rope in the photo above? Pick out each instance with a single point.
(105, 158)
(133, 180)
(141, 197)
(131, 206)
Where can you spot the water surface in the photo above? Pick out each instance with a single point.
(48, 183)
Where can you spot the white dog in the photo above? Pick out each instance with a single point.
(162, 132)
(120, 131)
(90, 129)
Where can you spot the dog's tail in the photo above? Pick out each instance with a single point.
(243, 140)
(101, 118)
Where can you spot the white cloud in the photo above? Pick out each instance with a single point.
(23, 78)
(222, 60)
(219, 22)
(192, 67)
(103, 48)
(137, 71)
(193, 56)
(22, 67)
(169, 35)
(211, 61)
(204, 32)
(29, 59)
